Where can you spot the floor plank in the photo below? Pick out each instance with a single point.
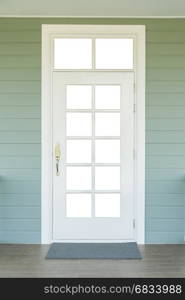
(29, 261)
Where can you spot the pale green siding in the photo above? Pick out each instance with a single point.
(20, 103)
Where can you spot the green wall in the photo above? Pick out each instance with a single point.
(20, 105)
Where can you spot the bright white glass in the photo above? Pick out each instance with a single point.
(72, 53)
(107, 124)
(79, 96)
(107, 97)
(79, 124)
(107, 205)
(107, 151)
(107, 178)
(78, 205)
(78, 151)
(78, 178)
(114, 53)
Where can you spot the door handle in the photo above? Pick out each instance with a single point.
(57, 158)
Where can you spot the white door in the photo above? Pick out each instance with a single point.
(93, 137)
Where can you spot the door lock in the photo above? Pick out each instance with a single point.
(57, 158)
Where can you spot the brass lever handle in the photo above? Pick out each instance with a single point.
(57, 158)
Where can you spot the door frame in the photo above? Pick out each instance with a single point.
(137, 32)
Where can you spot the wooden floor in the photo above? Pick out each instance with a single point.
(29, 261)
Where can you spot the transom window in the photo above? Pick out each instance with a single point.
(88, 53)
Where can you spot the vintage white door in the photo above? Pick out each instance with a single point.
(93, 164)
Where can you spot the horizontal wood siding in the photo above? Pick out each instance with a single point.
(20, 130)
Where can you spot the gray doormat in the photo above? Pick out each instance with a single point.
(94, 251)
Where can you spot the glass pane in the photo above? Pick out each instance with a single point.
(107, 178)
(79, 96)
(107, 124)
(107, 205)
(107, 151)
(79, 124)
(78, 178)
(78, 205)
(114, 53)
(72, 53)
(107, 97)
(78, 151)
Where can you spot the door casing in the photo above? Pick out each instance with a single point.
(137, 32)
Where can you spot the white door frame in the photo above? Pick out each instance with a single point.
(137, 32)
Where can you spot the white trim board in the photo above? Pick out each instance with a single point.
(48, 33)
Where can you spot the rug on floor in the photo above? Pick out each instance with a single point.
(94, 251)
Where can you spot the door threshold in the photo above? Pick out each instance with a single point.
(93, 241)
